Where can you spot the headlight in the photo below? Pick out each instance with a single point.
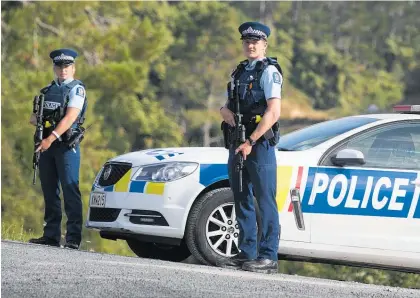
(96, 181)
(165, 172)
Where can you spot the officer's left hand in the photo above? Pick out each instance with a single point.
(245, 149)
(32, 120)
(45, 144)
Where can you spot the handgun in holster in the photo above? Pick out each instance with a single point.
(272, 135)
(227, 134)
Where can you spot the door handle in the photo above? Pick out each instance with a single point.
(297, 208)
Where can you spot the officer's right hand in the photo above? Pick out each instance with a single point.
(228, 116)
(32, 120)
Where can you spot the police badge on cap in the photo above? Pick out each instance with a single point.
(63, 56)
(254, 30)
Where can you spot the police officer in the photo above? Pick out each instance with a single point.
(65, 104)
(260, 82)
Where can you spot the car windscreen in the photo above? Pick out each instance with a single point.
(316, 134)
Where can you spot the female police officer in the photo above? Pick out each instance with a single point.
(260, 81)
(58, 164)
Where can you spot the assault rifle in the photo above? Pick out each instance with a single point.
(239, 131)
(38, 110)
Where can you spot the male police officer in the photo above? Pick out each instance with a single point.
(58, 163)
(260, 81)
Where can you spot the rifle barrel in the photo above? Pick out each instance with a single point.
(34, 178)
(240, 134)
(39, 110)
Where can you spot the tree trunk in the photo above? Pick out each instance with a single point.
(35, 45)
(296, 6)
(206, 133)
(207, 124)
(262, 11)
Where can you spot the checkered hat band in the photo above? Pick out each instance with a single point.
(253, 31)
(63, 57)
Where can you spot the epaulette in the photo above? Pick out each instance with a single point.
(80, 83)
(273, 61)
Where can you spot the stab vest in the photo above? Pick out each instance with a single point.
(56, 99)
(252, 99)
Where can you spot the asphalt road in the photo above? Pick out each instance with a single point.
(29, 270)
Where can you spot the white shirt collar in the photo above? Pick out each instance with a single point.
(63, 83)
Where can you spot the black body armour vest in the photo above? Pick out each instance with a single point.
(252, 99)
(56, 99)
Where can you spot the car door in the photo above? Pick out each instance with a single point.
(295, 225)
(375, 204)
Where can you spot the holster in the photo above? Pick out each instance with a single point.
(273, 134)
(68, 135)
(47, 131)
(71, 135)
(227, 134)
(77, 137)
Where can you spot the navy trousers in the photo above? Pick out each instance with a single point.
(60, 166)
(260, 175)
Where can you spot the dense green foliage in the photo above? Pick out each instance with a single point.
(156, 74)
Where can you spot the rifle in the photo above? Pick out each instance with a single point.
(38, 109)
(239, 132)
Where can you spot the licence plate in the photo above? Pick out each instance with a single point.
(97, 199)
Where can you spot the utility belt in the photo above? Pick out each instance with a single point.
(250, 123)
(71, 137)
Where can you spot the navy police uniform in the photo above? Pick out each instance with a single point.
(60, 165)
(259, 81)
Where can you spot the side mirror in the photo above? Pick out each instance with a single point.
(348, 157)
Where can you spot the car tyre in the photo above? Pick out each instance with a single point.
(173, 253)
(196, 229)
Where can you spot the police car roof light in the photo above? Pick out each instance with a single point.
(413, 109)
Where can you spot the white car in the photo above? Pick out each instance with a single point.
(347, 193)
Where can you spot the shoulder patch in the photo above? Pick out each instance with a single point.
(80, 91)
(276, 77)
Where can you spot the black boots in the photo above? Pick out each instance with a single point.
(72, 245)
(235, 262)
(44, 241)
(48, 241)
(261, 266)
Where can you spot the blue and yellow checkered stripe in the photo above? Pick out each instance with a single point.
(146, 187)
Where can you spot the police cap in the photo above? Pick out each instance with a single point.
(254, 30)
(63, 56)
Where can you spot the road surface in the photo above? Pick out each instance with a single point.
(29, 270)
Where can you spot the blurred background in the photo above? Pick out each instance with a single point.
(156, 75)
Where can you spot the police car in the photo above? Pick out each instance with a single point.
(347, 193)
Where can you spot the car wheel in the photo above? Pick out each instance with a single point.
(158, 251)
(212, 232)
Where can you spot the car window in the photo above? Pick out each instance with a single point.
(394, 146)
(316, 134)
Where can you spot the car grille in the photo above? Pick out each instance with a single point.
(147, 217)
(113, 172)
(104, 214)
